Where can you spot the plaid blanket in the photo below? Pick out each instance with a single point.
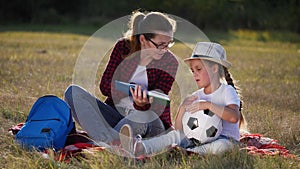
(78, 142)
(256, 144)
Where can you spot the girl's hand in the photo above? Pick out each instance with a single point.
(189, 100)
(201, 105)
(182, 109)
(140, 96)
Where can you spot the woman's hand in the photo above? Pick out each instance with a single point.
(140, 96)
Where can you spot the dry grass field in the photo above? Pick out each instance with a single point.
(266, 66)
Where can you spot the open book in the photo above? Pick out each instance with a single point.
(124, 87)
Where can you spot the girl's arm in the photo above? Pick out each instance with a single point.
(229, 113)
(178, 120)
(181, 110)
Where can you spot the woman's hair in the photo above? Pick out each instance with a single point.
(147, 24)
(132, 32)
(224, 73)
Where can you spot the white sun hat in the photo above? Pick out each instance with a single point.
(209, 51)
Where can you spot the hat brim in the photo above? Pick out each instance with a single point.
(221, 62)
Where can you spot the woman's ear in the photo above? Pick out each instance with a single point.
(142, 40)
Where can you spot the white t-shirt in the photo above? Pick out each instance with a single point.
(139, 77)
(223, 96)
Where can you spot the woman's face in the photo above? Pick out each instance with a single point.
(157, 46)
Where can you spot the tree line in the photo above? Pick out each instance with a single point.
(216, 14)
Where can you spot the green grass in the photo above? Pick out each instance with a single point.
(35, 63)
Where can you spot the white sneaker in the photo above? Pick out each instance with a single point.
(126, 138)
(139, 148)
(134, 146)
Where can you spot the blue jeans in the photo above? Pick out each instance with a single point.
(94, 116)
(111, 115)
(144, 123)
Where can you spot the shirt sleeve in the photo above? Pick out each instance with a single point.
(231, 96)
(114, 60)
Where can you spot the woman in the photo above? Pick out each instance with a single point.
(141, 58)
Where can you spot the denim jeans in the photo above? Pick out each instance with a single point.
(144, 123)
(99, 119)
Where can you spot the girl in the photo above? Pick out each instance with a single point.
(209, 65)
(143, 58)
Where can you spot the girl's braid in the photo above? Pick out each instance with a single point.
(230, 81)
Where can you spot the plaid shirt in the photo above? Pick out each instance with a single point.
(161, 75)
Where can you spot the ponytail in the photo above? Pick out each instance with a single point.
(230, 81)
(132, 33)
(147, 23)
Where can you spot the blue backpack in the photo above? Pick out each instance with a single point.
(47, 126)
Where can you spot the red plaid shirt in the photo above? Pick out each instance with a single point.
(161, 75)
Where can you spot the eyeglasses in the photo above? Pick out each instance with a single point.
(161, 46)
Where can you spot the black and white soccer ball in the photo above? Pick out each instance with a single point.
(202, 126)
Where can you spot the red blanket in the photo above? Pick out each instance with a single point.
(254, 144)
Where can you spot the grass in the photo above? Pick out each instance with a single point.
(35, 63)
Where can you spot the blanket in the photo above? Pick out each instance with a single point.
(78, 142)
(257, 144)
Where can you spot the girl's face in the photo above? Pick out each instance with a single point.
(158, 45)
(201, 73)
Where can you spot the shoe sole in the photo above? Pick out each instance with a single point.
(126, 137)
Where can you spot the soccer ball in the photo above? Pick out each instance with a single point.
(202, 126)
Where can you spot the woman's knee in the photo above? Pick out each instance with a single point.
(72, 90)
(142, 116)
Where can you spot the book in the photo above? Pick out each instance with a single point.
(125, 88)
